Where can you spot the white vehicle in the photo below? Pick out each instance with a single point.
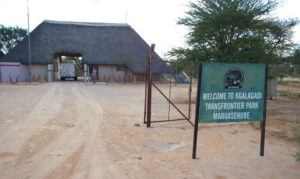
(67, 70)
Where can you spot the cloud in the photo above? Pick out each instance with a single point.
(95, 1)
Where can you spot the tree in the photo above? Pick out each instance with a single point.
(293, 61)
(296, 57)
(1, 53)
(234, 31)
(10, 37)
(76, 60)
(124, 60)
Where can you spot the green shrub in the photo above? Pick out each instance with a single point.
(297, 156)
(290, 95)
(281, 76)
(296, 131)
(283, 134)
(283, 94)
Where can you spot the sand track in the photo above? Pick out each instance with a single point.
(77, 130)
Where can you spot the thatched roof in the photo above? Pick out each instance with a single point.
(97, 43)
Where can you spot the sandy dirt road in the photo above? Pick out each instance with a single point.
(78, 130)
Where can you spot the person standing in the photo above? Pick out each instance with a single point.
(94, 75)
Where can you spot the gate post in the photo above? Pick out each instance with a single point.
(85, 72)
(50, 72)
(149, 79)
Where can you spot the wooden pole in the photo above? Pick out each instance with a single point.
(149, 76)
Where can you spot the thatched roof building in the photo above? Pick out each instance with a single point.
(97, 43)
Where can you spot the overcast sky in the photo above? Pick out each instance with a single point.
(154, 20)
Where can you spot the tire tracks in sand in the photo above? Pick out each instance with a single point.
(49, 128)
(90, 159)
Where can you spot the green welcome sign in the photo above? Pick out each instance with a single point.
(231, 92)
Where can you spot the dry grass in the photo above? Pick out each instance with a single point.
(291, 79)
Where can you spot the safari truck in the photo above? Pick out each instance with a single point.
(67, 70)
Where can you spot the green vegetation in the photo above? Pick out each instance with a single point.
(285, 72)
(124, 60)
(296, 131)
(10, 37)
(281, 76)
(294, 58)
(234, 132)
(137, 124)
(290, 95)
(77, 61)
(234, 31)
(297, 156)
(284, 94)
(283, 133)
(289, 83)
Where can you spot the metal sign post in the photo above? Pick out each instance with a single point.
(197, 112)
(229, 92)
(263, 122)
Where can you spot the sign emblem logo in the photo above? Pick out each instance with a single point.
(234, 78)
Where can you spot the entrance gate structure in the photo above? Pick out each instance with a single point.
(148, 91)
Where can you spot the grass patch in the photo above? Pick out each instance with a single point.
(255, 125)
(290, 95)
(289, 83)
(284, 94)
(137, 124)
(296, 131)
(234, 132)
(283, 134)
(297, 156)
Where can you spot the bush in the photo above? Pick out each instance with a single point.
(284, 94)
(283, 134)
(281, 76)
(297, 156)
(296, 131)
